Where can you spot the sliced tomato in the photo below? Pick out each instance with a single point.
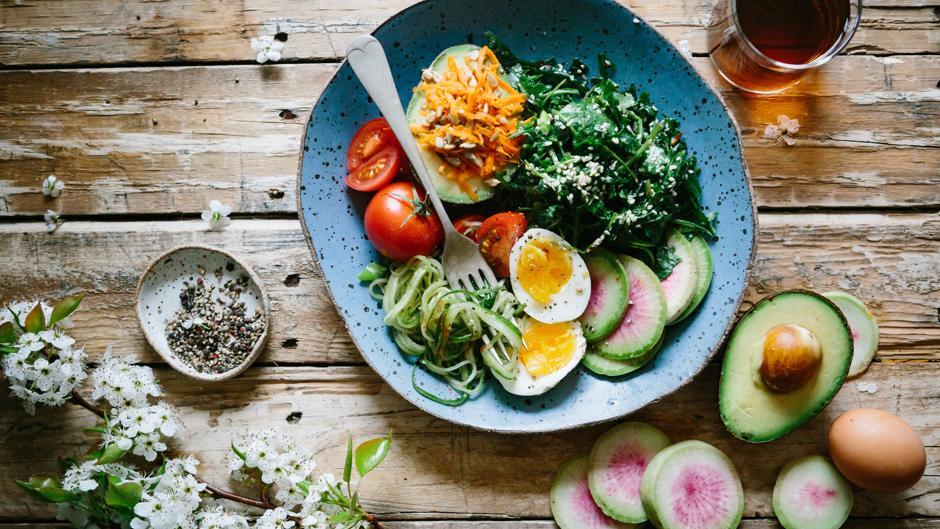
(377, 171)
(368, 141)
(469, 224)
(496, 236)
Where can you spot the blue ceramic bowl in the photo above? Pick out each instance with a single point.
(332, 214)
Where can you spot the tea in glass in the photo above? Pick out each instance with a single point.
(766, 46)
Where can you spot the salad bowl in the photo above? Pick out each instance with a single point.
(331, 214)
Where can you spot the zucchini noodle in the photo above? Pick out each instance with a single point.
(449, 331)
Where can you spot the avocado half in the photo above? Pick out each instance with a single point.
(447, 189)
(750, 410)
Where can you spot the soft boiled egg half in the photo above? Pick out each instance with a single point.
(549, 352)
(549, 277)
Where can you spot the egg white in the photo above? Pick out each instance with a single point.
(568, 303)
(526, 385)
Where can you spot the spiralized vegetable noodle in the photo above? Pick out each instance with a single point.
(450, 331)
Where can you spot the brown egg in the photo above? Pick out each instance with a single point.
(876, 450)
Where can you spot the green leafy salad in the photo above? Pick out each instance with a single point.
(598, 164)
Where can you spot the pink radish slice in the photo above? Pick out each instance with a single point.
(609, 295)
(617, 463)
(810, 493)
(572, 505)
(692, 485)
(645, 319)
(681, 284)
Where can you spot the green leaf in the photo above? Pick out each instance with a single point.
(347, 468)
(110, 454)
(343, 517)
(64, 307)
(120, 494)
(238, 452)
(46, 488)
(371, 453)
(7, 332)
(36, 319)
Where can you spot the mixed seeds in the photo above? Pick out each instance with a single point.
(213, 332)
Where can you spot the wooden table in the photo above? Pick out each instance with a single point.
(149, 109)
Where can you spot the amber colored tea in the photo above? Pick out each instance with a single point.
(793, 31)
(765, 46)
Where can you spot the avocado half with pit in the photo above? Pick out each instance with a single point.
(785, 360)
(446, 188)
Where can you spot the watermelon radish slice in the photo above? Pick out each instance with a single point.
(610, 294)
(607, 367)
(642, 325)
(692, 485)
(681, 284)
(704, 268)
(810, 493)
(571, 501)
(616, 466)
(864, 329)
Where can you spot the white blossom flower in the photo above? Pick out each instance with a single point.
(274, 519)
(268, 48)
(52, 220)
(218, 518)
(217, 215)
(273, 458)
(44, 369)
(83, 477)
(52, 186)
(122, 384)
(143, 429)
(170, 501)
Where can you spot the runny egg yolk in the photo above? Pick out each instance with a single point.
(544, 268)
(547, 347)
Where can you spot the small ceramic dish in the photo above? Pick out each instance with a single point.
(158, 299)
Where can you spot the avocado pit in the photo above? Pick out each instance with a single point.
(791, 357)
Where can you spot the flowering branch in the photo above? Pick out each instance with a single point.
(102, 490)
(77, 399)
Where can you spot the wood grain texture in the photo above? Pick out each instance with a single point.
(115, 31)
(168, 140)
(888, 260)
(437, 470)
(852, 523)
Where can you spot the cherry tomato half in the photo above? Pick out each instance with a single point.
(368, 140)
(377, 171)
(400, 224)
(469, 224)
(497, 235)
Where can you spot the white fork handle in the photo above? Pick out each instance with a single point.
(367, 58)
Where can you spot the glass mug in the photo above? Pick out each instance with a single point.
(766, 46)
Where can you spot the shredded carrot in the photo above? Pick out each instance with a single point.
(470, 113)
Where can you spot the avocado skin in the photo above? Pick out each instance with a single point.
(813, 407)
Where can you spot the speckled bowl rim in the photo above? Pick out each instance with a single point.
(171, 358)
(719, 344)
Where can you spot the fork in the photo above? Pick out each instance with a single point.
(464, 267)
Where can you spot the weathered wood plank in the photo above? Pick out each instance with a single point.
(889, 260)
(437, 470)
(92, 32)
(167, 140)
(852, 523)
